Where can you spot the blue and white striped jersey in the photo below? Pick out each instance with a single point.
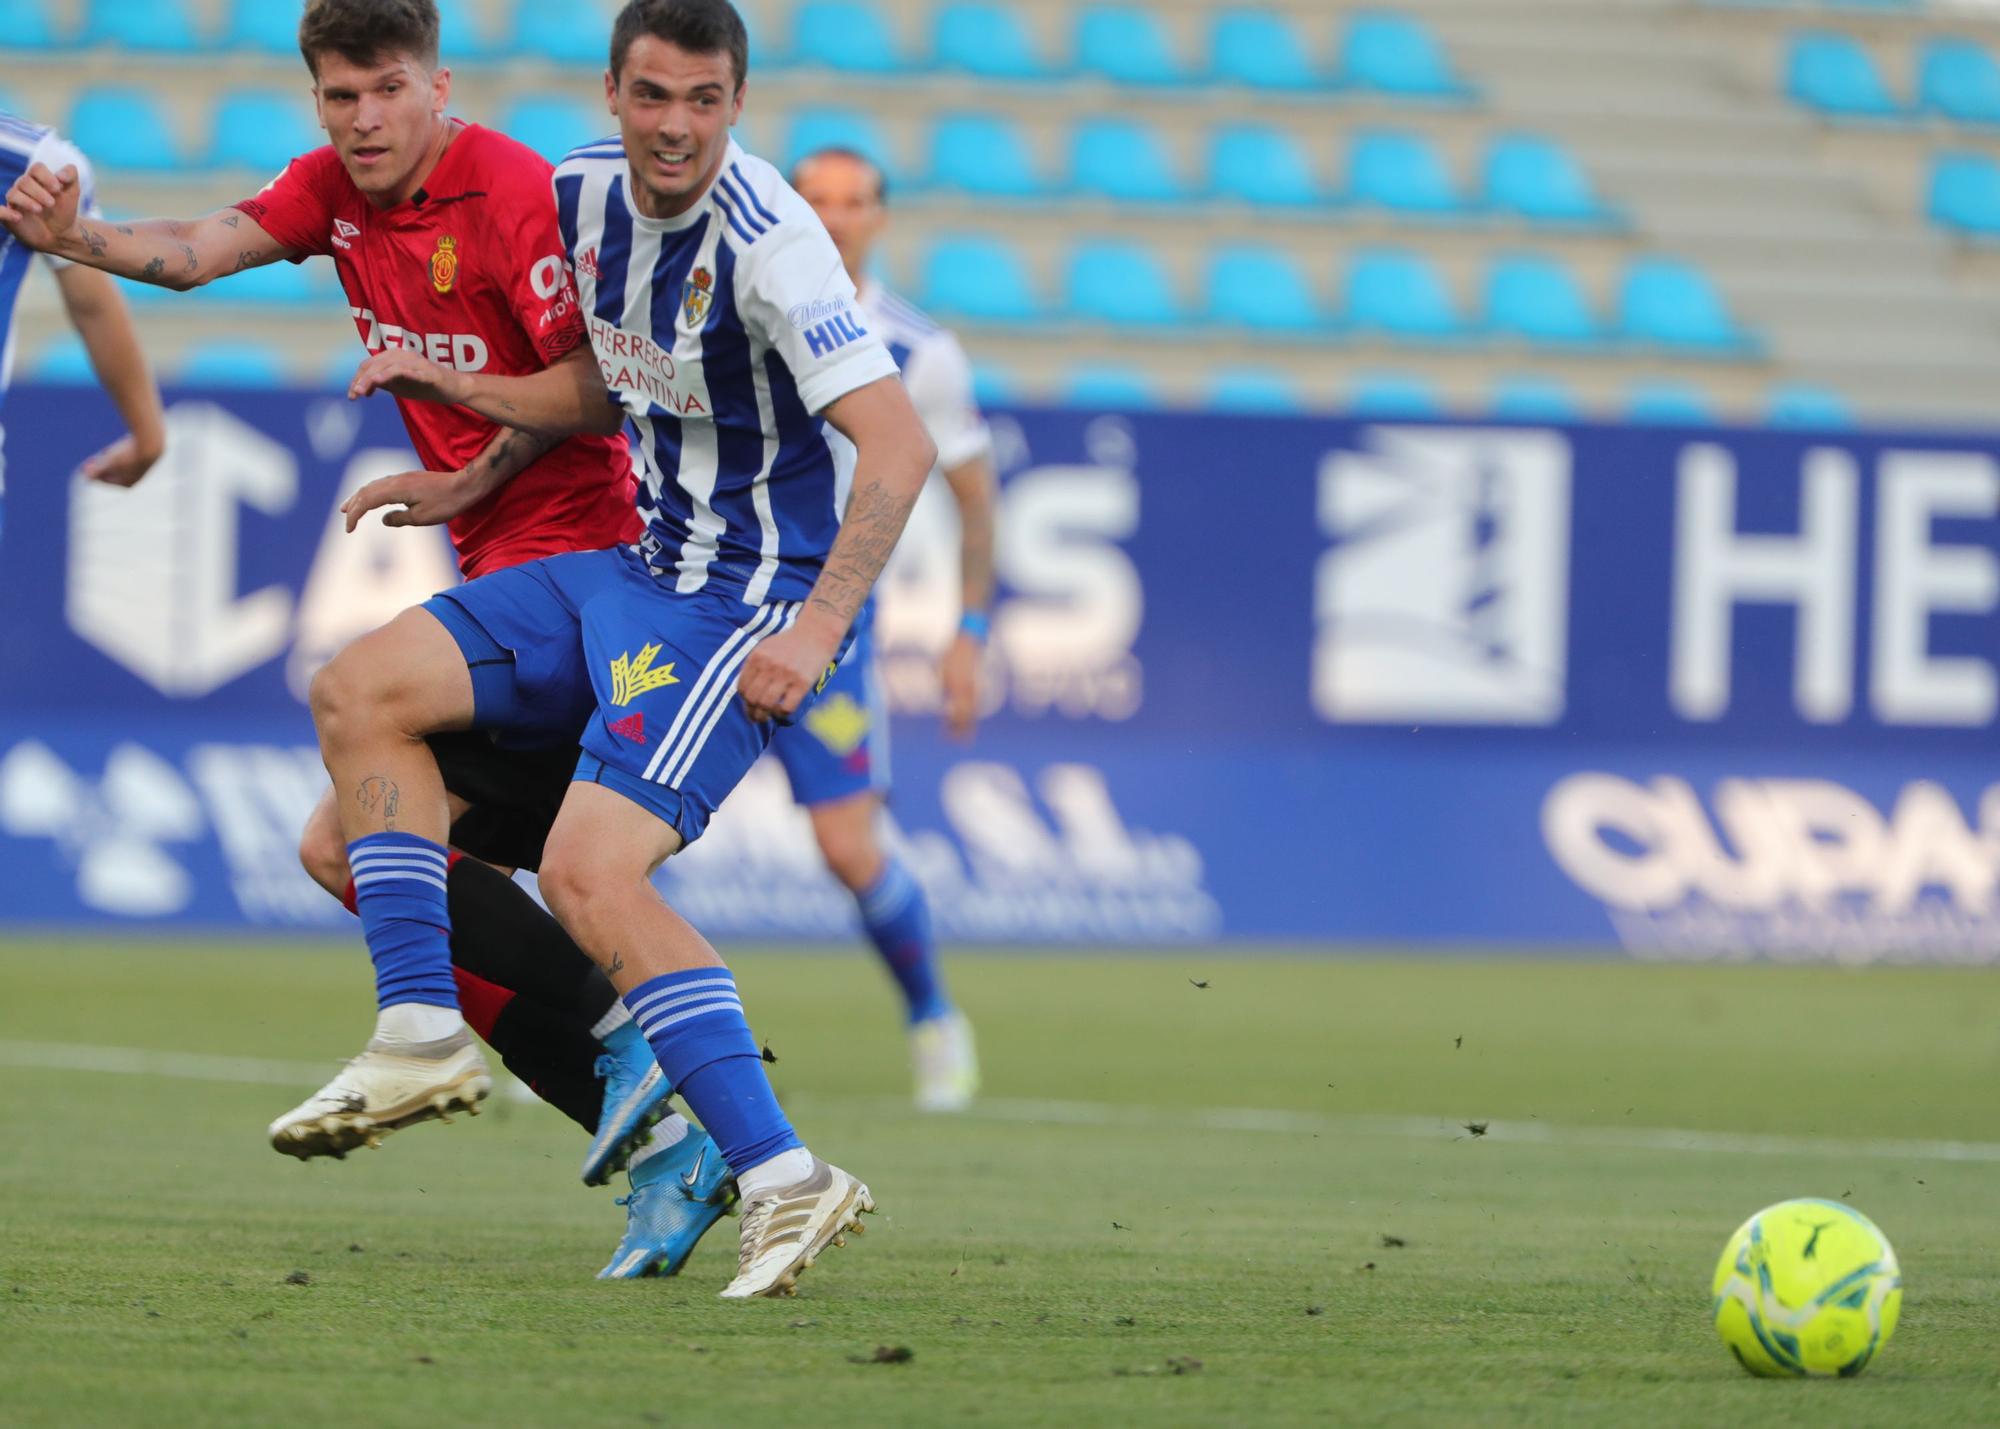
(724, 333)
(22, 144)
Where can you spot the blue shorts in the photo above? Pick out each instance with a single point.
(841, 746)
(592, 648)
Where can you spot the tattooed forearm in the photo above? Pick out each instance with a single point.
(875, 517)
(97, 241)
(377, 794)
(154, 269)
(125, 228)
(193, 263)
(248, 258)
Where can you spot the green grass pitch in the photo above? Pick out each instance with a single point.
(1254, 1202)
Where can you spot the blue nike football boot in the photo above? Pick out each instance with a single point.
(635, 1097)
(677, 1194)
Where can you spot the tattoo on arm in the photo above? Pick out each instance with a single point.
(154, 269)
(95, 240)
(124, 228)
(376, 792)
(193, 263)
(248, 258)
(230, 220)
(874, 520)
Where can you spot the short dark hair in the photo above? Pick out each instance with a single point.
(701, 27)
(364, 31)
(842, 151)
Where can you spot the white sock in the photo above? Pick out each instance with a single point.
(670, 1132)
(787, 1168)
(417, 1022)
(611, 1021)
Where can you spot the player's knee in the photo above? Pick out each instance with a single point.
(337, 698)
(571, 883)
(851, 854)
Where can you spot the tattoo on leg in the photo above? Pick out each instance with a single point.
(375, 793)
(617, 965)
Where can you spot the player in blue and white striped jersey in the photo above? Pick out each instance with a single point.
(723, 325)
(95, 310)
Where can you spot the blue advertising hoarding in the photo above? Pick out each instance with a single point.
(1698, 693)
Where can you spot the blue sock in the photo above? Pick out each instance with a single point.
(694, 1021)
(399, 891)
(898, 919)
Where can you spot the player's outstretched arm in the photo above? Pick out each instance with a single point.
(893, 457)
(43, 211)
(102, 320)
(431, 498)
(562, 400)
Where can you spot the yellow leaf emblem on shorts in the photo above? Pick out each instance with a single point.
(840, 723)
(632, 678)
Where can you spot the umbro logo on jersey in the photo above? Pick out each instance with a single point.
(631, 678)
(342, 232)
(833, 334)
(586, 263)
(632, 727)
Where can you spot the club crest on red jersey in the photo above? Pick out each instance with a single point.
(697, 296)
(444, 264)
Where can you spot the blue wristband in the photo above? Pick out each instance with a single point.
(975, 623)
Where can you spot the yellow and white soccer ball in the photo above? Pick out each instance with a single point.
(1807, 1287)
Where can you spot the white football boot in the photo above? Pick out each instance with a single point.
(947, 1067)
(384, 1090)
(785, 1230)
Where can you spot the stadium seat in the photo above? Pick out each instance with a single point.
(231, 364)
(1799, 404)
(816, 129)
(1120, 283)
(1095, 385)
(1669, 403)
(1832, 73)
(1400, 171)
(1392, 394)
(1120, 159)
(845, 35)
(1253, 390)
(1958, 79)
(1539, 180)
(275, 285)
(160, 25)
(565, 31)
(980, 154)
(263, 27)
(1396, 54)
(1533, 399)
(65, 362)
(1965, 193)
(979, 278)
(461, 36)
(123, 129)
(262, 130)
(1260, 49)
(1674, 305)
(1127, 45)
(553, 124)
(1538, 299)
(1400, 294)
(1262, 288)
(987, 40)
(26, 25)
(1262, 165)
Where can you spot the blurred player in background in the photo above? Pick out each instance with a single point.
(444, 235)
(838, 758)
(95, 308)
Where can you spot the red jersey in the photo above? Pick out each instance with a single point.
(469, 271)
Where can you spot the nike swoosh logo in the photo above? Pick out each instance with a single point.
(693, 1174)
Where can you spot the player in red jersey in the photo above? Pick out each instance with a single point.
(445, 238)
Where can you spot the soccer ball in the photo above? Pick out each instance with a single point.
(1807, 1287)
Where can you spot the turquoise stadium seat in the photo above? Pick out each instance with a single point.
(816, 129)
(982, 154)
(844, 35)
(553, 124)
(1958, 79)
(1802, 405)
(231, 364)
(572, 32)
(64, 363)
(1396, 54)
(1121, 159)
(979, 278)
(1400, 171)
(1122, 284)
(1832, 73)
(263, 27)
(163, 26)
(1127, 45)
(1669, 403)
(1393, 395)
(1534, 399)
(27, 25)
(123, 129)
(1101, 385)
(1673, 304)
(461, 36)
(1401, 295)
(262, 130)
(1539, 299)
(1260, 49)
(1965, 193)
(987, 40)
(1261, 288)
(275, 285)
(1539, 180)
(1262, 165)
(1251, 391)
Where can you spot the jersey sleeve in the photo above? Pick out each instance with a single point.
(56, 151)
(540, 290)
(795, 297)
(297, 207)
(939, 377)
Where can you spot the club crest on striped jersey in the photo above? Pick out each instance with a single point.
(444, 264)
(697, 296)
(841, 724)
(632, 677)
